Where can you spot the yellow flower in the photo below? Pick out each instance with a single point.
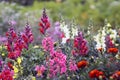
(36, 46)
(15, 76)
(3, 54)
(19, 60)
(15, 69)
(33, 78)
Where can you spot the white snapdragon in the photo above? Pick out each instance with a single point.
(64, 27)
(100, 39)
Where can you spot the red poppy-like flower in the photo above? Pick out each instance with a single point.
(96, 74)
(82, 64)
(112, 50)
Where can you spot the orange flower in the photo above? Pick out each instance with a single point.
(96, 74)
(112, 50)
(92, 74)
(100, 49)
(82, 64)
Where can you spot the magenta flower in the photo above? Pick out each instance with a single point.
(57, 64)
(40, 70)
(27, 36)
(48, 44)
(6, 74)
(108, 42)
(44, 23)
(72, 65)
(80, 45)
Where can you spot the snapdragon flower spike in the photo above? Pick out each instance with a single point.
(57, 64)
(27, 36)
(14, 44)
(80, 45)
(44, 23)
(72, 65)
(108, 42)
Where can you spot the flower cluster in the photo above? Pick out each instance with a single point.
(6, 75)
(72, 65)
(96, 74)
(80, 45)
(40, 70)
(57, 64)
(44, 23)
(13, 44)
(27, 36)
(82, 64)
(17, 42)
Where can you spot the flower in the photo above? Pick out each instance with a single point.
(6, 75)
(15, 69)
(40, 70)
(82, 64)
(10, 65)
(116, 75)
(44, 23)
(100, 39)
(96, 74)
(108, 42)
(47, 44)
(72, 66)
(112, 50)
(80, 45)
(19, 60)
(57, 63)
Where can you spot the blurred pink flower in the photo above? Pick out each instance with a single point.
(72, 66)
(40, 70)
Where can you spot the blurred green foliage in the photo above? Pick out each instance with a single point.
(79, 10)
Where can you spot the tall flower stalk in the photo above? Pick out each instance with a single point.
(44, 22)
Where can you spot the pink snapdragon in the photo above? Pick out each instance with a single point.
(40, 70)
(57, 64)
(47, 44)
(72, 65)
